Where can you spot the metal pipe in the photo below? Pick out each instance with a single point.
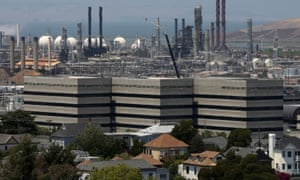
(212, 35)
(89, 27)
(217, 24)
(12, 53)
(22, 53)
(176, 36)
(35, 53)
(100, 27)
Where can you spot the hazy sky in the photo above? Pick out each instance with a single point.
(24, 11)
(21, 11)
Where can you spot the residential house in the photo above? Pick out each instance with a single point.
(149, 159)
(285, 153)
(67, 133)
(165, 145)
(190, 168)
(8, 141)
(146, 169)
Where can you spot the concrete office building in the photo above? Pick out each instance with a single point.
(59, 100)
(140, 103)
(225, 104)
(121, 104)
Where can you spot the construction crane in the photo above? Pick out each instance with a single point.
(157, 27)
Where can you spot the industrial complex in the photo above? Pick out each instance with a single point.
(197, 75)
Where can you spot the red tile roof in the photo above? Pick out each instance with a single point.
(165, 141)
(149, 159)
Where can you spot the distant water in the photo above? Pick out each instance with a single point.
(110, 30)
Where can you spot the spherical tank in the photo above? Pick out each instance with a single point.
(256, 62)
(57, 42)
(44, 40)
(93, 42)
(71, 43)
(268, 62)
(103, 42)
(136, 44)
(119, 41)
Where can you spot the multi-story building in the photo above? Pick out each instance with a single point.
(285, 153)
(215, 104)
(140, 103)
(227, 103)
(62, 100)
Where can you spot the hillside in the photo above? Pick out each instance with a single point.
(288, 29)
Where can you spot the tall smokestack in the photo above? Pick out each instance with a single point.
(212, 35)
(207, 45)
(157, 35)
(250, 41)
(217, 24)
(198, 42)
(1, 37)
(49, 54)
(79, 40)
(183, 34)
(100, 27)
(223, 46)
(176, 36)
(35, 53)
(12, 53)
(22, 53)
(18, 35)
(90, 28)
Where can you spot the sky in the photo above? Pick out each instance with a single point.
(27, 11)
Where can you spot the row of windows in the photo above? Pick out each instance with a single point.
(67, 105)
(287, 166)
(238, 97)
(260, 108)
(232, 128)
(94, 115)
(252, 88)
(222, 118)
(289, 153)
(66, 85)
(151, 86)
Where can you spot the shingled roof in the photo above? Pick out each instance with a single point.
(165, 141)
(149, 159)
(282, 143)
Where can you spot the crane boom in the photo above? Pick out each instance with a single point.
(172, 56)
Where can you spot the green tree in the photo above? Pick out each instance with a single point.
(184, 131)
(52, 159)
(236, 168)
(239, 137)
(118, 172)
(196, 144)
(93, 140)
(137, 147)
(20, 161)
(18, 122)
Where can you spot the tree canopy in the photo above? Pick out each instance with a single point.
(17, 122)
(236, 168)
(93, 140)
(118, 172)
(184, 131)
(239, 137)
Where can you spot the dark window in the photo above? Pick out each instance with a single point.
(187, 169)
(289, 166)
(289, 154)
(283, 153)
(283, 166)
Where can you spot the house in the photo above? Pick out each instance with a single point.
(67, 133)
(149, 159)
(8, 141)
(146, 169)
(165, 145)
(285, 153)
(218, 141)
(190, 168)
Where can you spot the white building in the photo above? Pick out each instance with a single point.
(285, 154)
(190, 168)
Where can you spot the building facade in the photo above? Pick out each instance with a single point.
(140, 103)
(65, 100)
(122, 104)
(224, 104)
(285, 154)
